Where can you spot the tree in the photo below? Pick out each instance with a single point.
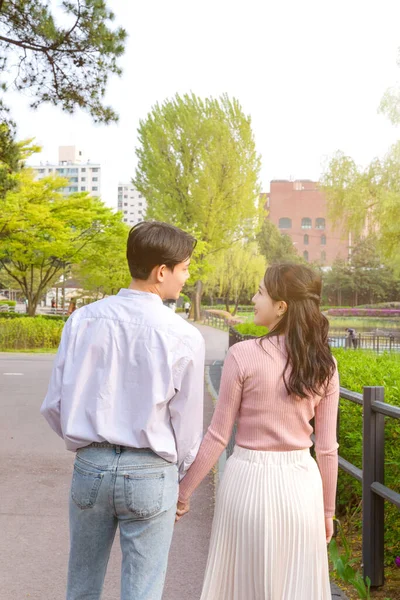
(12, 157)
(367, 201)
(237, 273)
(67, 66)
(42, 232)
(104, 270)
(338, 284)
(274, 245)
(198, 169)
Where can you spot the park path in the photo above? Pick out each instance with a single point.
(35, 472)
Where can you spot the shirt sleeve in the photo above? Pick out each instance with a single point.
(220, 429)
(186, 409)
(326, 446)
(51, 406)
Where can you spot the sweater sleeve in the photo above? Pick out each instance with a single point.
(326, 446)
(220, 429)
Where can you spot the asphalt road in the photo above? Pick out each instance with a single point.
(35, 472)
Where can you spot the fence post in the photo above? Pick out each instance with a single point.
(373, 470)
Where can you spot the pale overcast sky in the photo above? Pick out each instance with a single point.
(310, 73)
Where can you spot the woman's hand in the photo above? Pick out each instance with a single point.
(328, 528)
(181, 509)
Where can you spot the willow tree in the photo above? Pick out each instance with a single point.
(365, 201)
(198, 169)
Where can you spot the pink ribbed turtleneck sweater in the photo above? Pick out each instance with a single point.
(252, 393)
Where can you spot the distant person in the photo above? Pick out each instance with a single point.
(126, 394)
(274, 509)
(351, 337)
(187, 308)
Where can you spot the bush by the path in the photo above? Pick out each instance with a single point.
(7, 303)
(251, 329)
(364, 312)
(30, 333)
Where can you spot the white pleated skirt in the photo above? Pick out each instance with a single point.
(268, 537)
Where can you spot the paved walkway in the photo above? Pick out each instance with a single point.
(35, 471)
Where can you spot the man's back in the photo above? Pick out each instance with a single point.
(124, 359)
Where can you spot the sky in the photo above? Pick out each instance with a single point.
(310, 73)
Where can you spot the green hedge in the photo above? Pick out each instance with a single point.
(358, 369)
(251, 329)
(7, 303)
(30, 333)
(7, 315)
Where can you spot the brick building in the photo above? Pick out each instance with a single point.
(298, 208)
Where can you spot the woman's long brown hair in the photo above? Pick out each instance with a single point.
(304, 326)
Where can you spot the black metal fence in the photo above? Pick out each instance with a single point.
(371, 476)
(377, 342)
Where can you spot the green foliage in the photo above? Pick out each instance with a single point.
(251, 329)
(14, 315)
(344, 566)
(30, 333)
(7, 303)
(276, 246)
(104, 269)
(65, 65)
(236, 274)
(358, 369)
(12, 156)
(42, 232)
(198, 169)
(367, 199)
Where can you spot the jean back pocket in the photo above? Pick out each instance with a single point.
(85, 487)
(144, 493)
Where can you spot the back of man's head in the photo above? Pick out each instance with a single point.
(152, 243)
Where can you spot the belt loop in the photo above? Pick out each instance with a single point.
(118, 449)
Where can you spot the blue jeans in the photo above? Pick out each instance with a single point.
(135, 489)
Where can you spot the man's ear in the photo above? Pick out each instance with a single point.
(159, 273)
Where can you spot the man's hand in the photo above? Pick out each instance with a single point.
(181, 509)
(328, 528)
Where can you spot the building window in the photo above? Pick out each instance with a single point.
(125, 212)
(125, 204)
(125, 195)
(83, 189)
(320, 223)
(323, 240)
(95, 189)
(95, 170)
(83, 170)
(120, 189)
(125, 220)
(305, 255)
(95, 178)
(306, 239)
(306, 223)
(83, 178)
(323, 256)
(50, 170)
(285, 223)
(41, 170)
(140, 203)
(140, 196)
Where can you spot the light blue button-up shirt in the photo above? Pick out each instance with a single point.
(129, 371)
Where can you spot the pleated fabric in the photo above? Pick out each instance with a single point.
(268, 536)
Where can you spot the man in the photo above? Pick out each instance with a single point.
(126, 394)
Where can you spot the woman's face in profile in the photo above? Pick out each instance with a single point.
(266, 311)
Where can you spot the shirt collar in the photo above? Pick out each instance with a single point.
(148, 296)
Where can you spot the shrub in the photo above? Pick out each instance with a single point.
(7, 315)
(30, 333)
(7, 303)
(251, 329)
(364, 312)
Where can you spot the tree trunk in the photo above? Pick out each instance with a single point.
(196, 300)
(227, 303)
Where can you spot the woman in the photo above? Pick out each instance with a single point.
(274, 510)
